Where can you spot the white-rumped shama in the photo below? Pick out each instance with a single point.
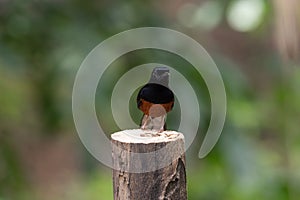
(155, 100)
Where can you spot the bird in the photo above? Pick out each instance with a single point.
(155, 99)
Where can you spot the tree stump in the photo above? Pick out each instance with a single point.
(148, 165)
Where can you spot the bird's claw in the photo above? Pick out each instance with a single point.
(160, 130)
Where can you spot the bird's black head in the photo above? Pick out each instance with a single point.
(160, 75)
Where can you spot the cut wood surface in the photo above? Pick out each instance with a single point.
(148, 165)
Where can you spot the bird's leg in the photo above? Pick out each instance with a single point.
(145, 121)
(162, 123)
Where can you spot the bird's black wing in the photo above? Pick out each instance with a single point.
(155, 93)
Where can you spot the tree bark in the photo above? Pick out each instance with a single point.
(148, 166)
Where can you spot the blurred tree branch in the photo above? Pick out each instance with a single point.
(287, 28)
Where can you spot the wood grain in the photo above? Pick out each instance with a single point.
(164, 183)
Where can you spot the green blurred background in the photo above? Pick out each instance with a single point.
(255, 44)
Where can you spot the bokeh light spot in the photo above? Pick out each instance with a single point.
(206, 16)
(245, 15)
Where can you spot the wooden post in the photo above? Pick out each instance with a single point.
(148, 166)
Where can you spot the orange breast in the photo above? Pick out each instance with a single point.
(155, 110)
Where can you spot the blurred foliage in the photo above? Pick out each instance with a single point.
(11, 175)
(43, 42)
